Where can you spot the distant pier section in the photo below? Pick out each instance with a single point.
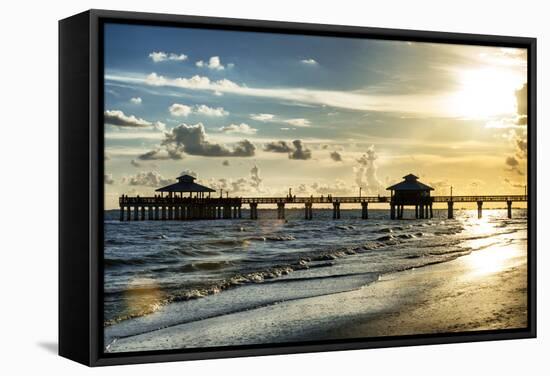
(187, 200)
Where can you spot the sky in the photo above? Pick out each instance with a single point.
(255, 114)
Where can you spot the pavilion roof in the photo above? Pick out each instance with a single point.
(186, 183)
(410, 183)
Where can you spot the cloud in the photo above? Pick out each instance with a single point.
(160, 56)
(180, 110)
(298, 122)
(147, 179)
(255, 179)
(513, 165)
(118, 118)
(295, 151)
(108, 179)
(183, 110)
(309, 62)
(195, 82)
(521, 101)
(251, 184)
(335, 156)
(262, 117)
(240, 128)
(518, 136)
(278, 147)
(335, 188)
(188, 172)
(192, 140)
(512, 162)
(210, 111)
(366, 172)
(213, 63)
(225, 163)
(136, 100)
(300, 151)
(432, 104)
(159, 155)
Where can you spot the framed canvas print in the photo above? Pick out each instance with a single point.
(239, 187)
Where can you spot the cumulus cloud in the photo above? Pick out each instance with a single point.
(366, 172)
(335, 188)
(178, 109)
(213, 63)
(195, 82)
(211, 111)
(182, 110)
(296, 150)
(136, 100)
(188, 172)
(309, 61)
(251, 184)
(160, 56)
(192, 140)
(147, 179)
(108, 179)
(335, 156)
(159, 155)
(278, 147)
(300, 151)
(255, 179)
(518, 136)
(238, 128)
(262, 117)
(119, 118)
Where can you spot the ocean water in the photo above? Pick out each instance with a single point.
(162, 273)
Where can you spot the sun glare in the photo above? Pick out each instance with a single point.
(484, 93)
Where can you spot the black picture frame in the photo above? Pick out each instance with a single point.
(81, 170)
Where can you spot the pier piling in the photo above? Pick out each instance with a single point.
(280, 210)
(308, 210)
(336, 210)
(364, 210)
(509, 207)
(479, 209)
(253, 210)
(450, 214)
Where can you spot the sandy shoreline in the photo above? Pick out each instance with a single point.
(484, 290)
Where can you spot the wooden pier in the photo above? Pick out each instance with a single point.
(186, 208)
(200, 205)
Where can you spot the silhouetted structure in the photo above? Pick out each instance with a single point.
(411, 192)
(186, 184)
(198, 205)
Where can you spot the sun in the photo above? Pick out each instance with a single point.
(484, 93)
